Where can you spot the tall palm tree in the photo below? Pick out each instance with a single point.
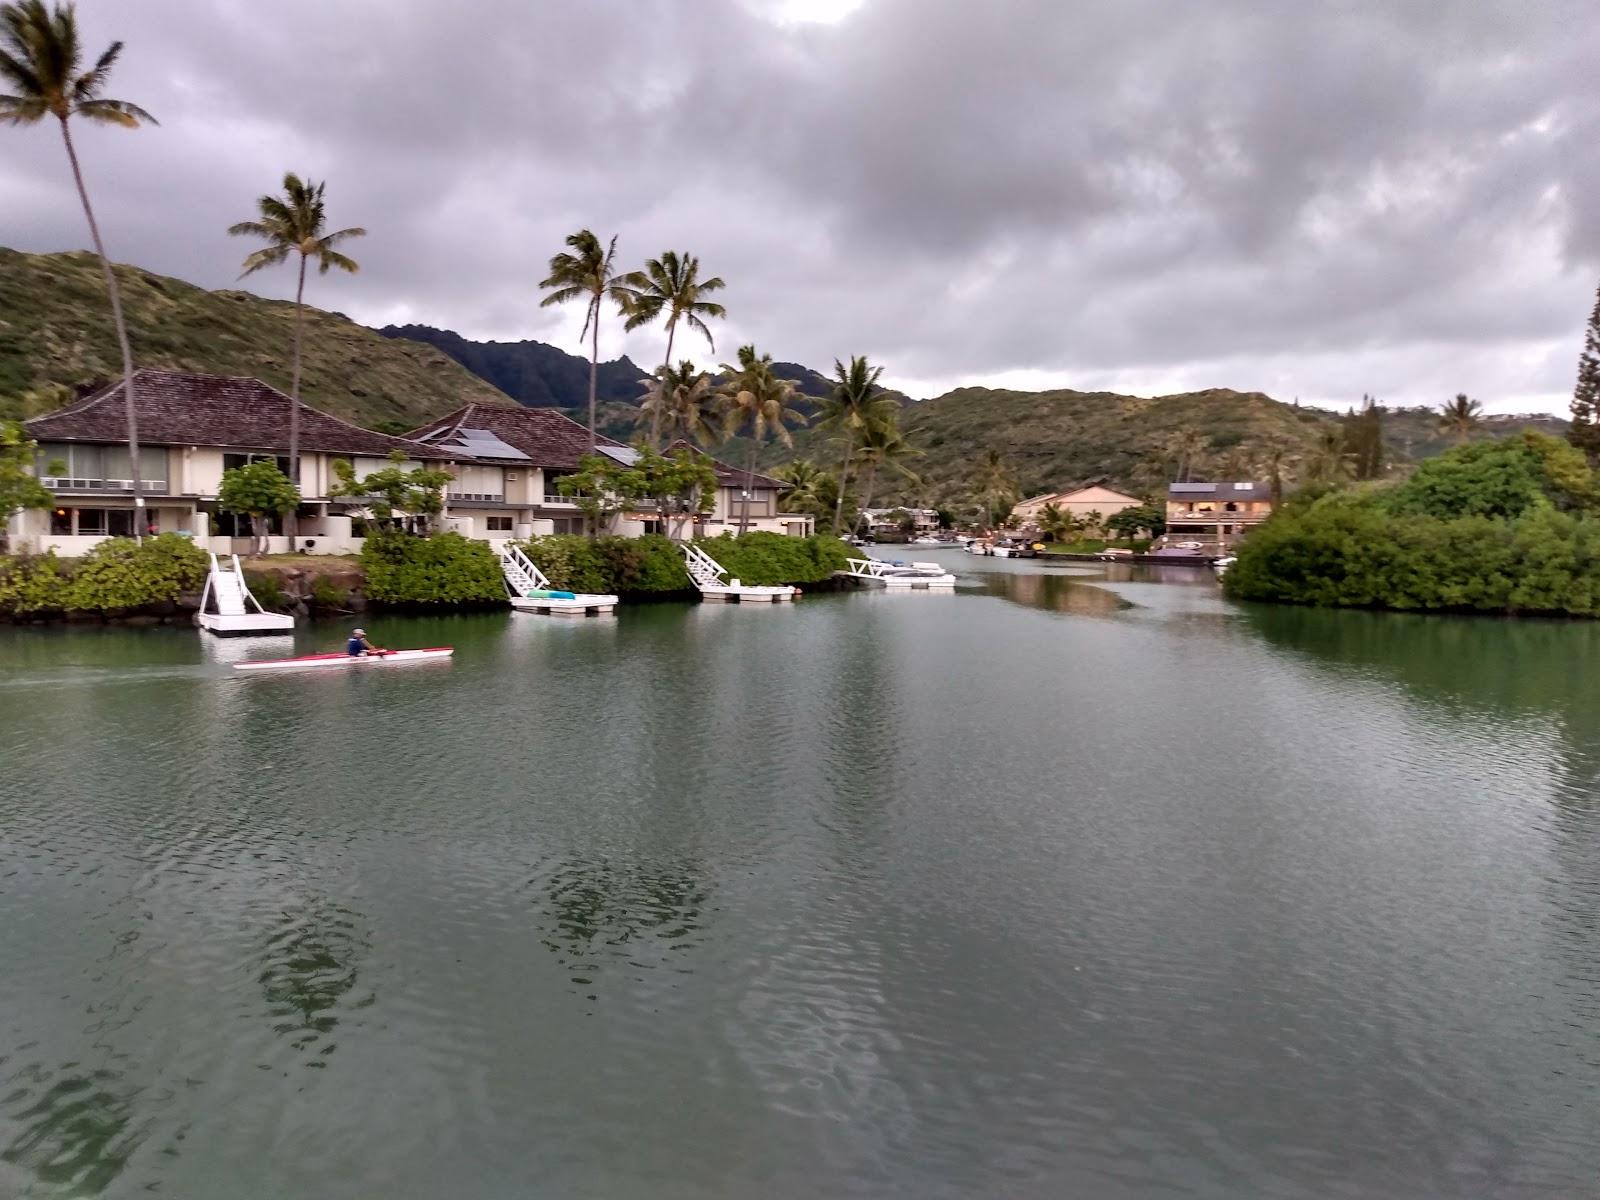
(587, 275)
(882, 446)
(807, 483)
(39, 61)
(296, 223)
(996, 481)
(855, 404)
(1186, 447)
(1329, 461)
(672, 285)
(680, 402)
(758, 401)
(1460, 416)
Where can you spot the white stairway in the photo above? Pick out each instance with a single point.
(229, 610)
(711, 578)
(525, 581)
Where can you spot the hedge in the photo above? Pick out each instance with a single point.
(768, 559)
(444, 569)
(654, 564)
(115, 576)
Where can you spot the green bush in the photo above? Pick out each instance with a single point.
(644, 564)
(570, 561)
(769, 559)
(325, 593)
(267, 588)
(119, 574)
(444, 569)
(33, 583)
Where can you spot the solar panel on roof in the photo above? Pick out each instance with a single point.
(626, 455)
(480, 443)
(1190, 487)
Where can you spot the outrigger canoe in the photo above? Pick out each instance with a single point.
(347, 660)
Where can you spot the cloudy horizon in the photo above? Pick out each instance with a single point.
(1316, 201)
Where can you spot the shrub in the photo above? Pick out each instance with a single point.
(611, 565)
(325, 593)
(119, 574)
(644, 564)
(444, 569)
(33, 583)
(767, 559)
(267, 588)
(571, 562)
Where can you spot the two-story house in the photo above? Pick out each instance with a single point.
(1215, 514)
(192, 428)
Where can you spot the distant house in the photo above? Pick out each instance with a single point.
(191, 429)
(886, 522)
(766, 497)
(1079, 503)
(1217, 514)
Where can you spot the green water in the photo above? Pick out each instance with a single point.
(1057, 886)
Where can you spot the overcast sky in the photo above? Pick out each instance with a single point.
(1309, 199)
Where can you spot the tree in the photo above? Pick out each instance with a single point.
(1056, 522)
(759, 402)
(809, 486)
(1460, 416)
(40, 59)
(1186, 448)
(296, 223)
(1363, 439)
(417, 492)
(672, 285)
(1585, 430)
(855, 404)
(997, 483)
(20, 488)
(882, 446)
(602, 487)
(260, 491)
(1276, 458)
(588, 275)
(680, 401)
(1148, 518)
(1328, 463)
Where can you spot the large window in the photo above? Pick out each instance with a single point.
(94, 522)
(69, 465)
(760, 502)
(478, 483)
(498, 524)
(230, 461)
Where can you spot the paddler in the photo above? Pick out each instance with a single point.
(358, 646)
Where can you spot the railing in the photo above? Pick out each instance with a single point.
(491, 497)
(703, 569)
(63, 484)
(1217, 517)
(521, 575)
(876, 568)
(568, 501)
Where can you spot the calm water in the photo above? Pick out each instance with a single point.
(1057, 886)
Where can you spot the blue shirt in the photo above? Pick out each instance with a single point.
(355, 646)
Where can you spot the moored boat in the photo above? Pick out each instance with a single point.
(376, 658)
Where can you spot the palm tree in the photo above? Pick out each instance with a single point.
(882, 446)
(1460, 416)
(759, 401)
(1329, 461)
(39, 60)
(855, 404)
(294, 223)
(680, 401)
(996, 481)
(671, 284)
(1275, 460)
(1186, 447)
(587, 275)
(807, 483)
(1055, 522)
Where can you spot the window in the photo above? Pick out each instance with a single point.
(498, 524)
(91, 521)
(566, 525)
(61, 522)
(478, 483)
(231, 461)
(106, 467)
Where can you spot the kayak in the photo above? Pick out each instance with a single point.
(347, 660)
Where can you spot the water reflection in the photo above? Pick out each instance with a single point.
(76, 1126)
(309, 975)
(1054, 593)
(599, 914)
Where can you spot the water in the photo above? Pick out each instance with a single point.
(1058, 886)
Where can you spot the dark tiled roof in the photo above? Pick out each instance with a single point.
(181, 409)
(1186, 492)
(548, 438)
(731, 476)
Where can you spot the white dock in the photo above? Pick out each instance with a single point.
(529, 590)
(228, 609)
(901, 577)
(715, 584)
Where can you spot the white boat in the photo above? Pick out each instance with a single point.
(341, 659)
(918, 576)
(926, 540)
(1221, 565)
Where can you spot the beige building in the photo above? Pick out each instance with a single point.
(1215, 514)
(1079, 504)
(505, 464)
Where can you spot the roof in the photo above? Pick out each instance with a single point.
(476, 443)
(544, 436)
(1219, 491)
(180, 408)
(731, 476)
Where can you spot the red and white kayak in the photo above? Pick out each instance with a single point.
(348, 660)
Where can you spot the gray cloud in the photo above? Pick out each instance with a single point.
(1317, 200)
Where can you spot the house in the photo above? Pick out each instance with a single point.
(1217, 514)
(1079, 504)
(766, 495)
(885, 523)
(192, 428)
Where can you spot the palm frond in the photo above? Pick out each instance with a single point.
(114, 112)
(22, 110)
(19, 73)
(250, 229)
(343, 235)
(560, 295)
(332, 258)
(87, 86)
(270, 257)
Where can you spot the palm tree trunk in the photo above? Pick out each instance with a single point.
(666, 363)
(844, 475)
(130, 408)
(291, 519)
(749, 482)
(594, 372)
(872, 479)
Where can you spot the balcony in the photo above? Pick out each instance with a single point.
(60, 483)
(1214, 517)
(456, 497)
(560, 501)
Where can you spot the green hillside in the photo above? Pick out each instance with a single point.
(55, 329)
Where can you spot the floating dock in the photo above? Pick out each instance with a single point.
(529, 590)
(900, 577)
(228, 609)
(715, 584)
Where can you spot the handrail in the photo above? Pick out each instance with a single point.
(514, 563)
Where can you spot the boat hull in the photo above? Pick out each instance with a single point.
(337, 661)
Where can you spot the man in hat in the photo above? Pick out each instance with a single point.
(358, 646)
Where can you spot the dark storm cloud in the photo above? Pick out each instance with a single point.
(1314, 199)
